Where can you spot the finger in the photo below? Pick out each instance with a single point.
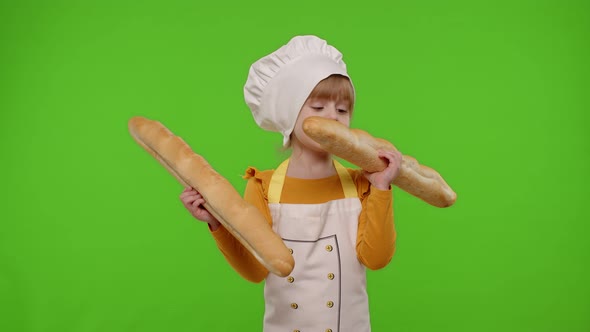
(394, 154)
(384, 155)
(188, 189)
(198, 202)
(388, 155)
(393, 157)
(394, 162)
(188, 204)
(398, 157)
(188, 193)
(189, 199)
(199, 197)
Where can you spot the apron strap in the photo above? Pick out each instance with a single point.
(277, 181)
(347, 184)
(275, 188)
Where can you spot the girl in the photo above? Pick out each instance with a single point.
(335, 221)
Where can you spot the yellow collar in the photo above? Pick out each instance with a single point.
(278, 180)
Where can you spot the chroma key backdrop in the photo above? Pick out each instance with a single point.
(494, 95)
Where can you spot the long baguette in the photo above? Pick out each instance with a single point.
(239, 217)
(361, 149)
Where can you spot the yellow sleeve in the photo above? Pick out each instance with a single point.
(235, 253)
(375, 244)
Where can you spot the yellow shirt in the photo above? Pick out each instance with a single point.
(375, 244)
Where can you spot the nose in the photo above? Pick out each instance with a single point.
(332, 112)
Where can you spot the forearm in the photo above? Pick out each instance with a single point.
(235, 253)
(376, 232)
(238, 256)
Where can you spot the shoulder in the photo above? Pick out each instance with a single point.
(258, 175)
(258, 180)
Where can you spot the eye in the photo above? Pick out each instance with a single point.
(318, 108)
(342, 110)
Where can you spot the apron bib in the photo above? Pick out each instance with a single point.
(327, 289)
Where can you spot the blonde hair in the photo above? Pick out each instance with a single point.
(335, 87)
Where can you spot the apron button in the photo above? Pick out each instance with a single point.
(290, 279)
(329, 248)
(294, 305)
(328, 330)
(331, 276)
(330, 304)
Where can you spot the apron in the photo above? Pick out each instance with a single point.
(327, 289)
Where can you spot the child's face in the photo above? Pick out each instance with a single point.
(338, 110)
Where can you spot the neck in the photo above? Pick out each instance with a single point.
(308, 164)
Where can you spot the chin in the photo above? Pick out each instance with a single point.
(311, 145)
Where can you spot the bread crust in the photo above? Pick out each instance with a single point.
(239, 217)
(362, 149)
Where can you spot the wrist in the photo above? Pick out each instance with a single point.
(214, 225)
(382, 187)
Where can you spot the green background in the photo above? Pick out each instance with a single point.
(492, 94)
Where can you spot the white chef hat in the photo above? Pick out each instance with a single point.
(278, 84)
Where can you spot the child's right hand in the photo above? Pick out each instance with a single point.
(193, 202)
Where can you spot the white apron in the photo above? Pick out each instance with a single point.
(327, 289)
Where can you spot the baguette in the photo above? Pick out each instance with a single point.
(361, 149)
(239, 217)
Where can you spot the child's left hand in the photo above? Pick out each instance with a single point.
(382, 180)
